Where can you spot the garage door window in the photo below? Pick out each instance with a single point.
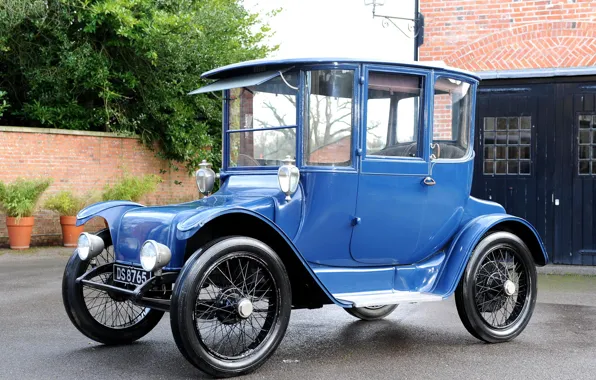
(587, 145)
(507, 145)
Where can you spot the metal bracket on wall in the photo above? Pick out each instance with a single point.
(414, 26)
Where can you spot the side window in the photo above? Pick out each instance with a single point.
(451, 118)
(328, 118)
(393, 114)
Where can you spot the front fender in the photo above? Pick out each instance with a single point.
(111, 211)
(264, 208)
(189, 227)
(462, 247)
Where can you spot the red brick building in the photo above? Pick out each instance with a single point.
(535, 134)
(485, 35)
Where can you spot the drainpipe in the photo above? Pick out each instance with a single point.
(417, 16)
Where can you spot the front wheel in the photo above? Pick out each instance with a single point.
(497, 293)
(371, 313)
(231, 307)
(100, 315)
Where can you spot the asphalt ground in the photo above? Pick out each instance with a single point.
(424, 341)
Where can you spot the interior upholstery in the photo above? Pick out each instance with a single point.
(447, 150)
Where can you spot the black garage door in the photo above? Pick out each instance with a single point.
(536, 155)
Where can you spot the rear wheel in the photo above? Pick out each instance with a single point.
(231, 307)
(496, 296)
(100, 315)
(371, 313)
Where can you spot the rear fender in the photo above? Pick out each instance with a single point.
(111, 211)
(186, 230)
(463, 245)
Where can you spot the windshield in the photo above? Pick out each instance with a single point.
(262, 122)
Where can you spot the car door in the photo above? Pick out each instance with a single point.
(391, 197)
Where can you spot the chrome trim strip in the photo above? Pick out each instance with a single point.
(386, 297)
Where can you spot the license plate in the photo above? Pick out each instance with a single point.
(130, 275)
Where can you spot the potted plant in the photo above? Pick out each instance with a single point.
(18, 200)
(130, 188)
(67, 205)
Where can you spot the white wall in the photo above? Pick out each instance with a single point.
(337, 28)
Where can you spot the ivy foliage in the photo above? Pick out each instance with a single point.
(124, 66)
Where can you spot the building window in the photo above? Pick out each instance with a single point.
(586, 151)
(507, 145)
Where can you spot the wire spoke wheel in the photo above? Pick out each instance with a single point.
(107, 308)
(236, 306)
(231, 306)
(104, 316)
(496, 295)
(500, 291)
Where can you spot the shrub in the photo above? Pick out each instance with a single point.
(65, 203)
(20, 198)
(125, 66)
(130, 188)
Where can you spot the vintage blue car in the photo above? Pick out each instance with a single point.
(344, 182)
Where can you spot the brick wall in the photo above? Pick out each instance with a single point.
(510, 34)
(335, 152)
(82, 162)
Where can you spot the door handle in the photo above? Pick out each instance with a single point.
(429, 181)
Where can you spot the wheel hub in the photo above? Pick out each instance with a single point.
(245, 308)
(509, 287)
(116, 296)
(227, 307)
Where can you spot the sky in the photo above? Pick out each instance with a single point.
(337, 28)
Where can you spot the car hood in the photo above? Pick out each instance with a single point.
(161, 223)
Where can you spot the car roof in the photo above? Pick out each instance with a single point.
(258, 65)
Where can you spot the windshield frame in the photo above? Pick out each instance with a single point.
(227, 132)
(300, 109)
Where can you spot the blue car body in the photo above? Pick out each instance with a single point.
(367, 233)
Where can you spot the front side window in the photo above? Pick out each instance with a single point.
(328, 117)
(262, 122)
(451, 121)
(393, 114)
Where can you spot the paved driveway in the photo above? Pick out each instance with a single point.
(425, 341)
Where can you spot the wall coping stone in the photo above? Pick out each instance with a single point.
(57, 131)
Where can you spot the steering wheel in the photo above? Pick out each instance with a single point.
(246, 160)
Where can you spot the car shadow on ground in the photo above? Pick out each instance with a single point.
(321, 344)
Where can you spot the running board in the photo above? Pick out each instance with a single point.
(364, 299)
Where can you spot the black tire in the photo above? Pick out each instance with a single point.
(371, 313)
(206, 300)
(489, 307)
(90, 309)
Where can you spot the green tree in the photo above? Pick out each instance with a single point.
(124, 66)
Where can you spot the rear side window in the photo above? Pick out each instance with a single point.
(451, 118)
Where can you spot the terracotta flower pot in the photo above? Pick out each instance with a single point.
(19, 231)
(70, 232)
